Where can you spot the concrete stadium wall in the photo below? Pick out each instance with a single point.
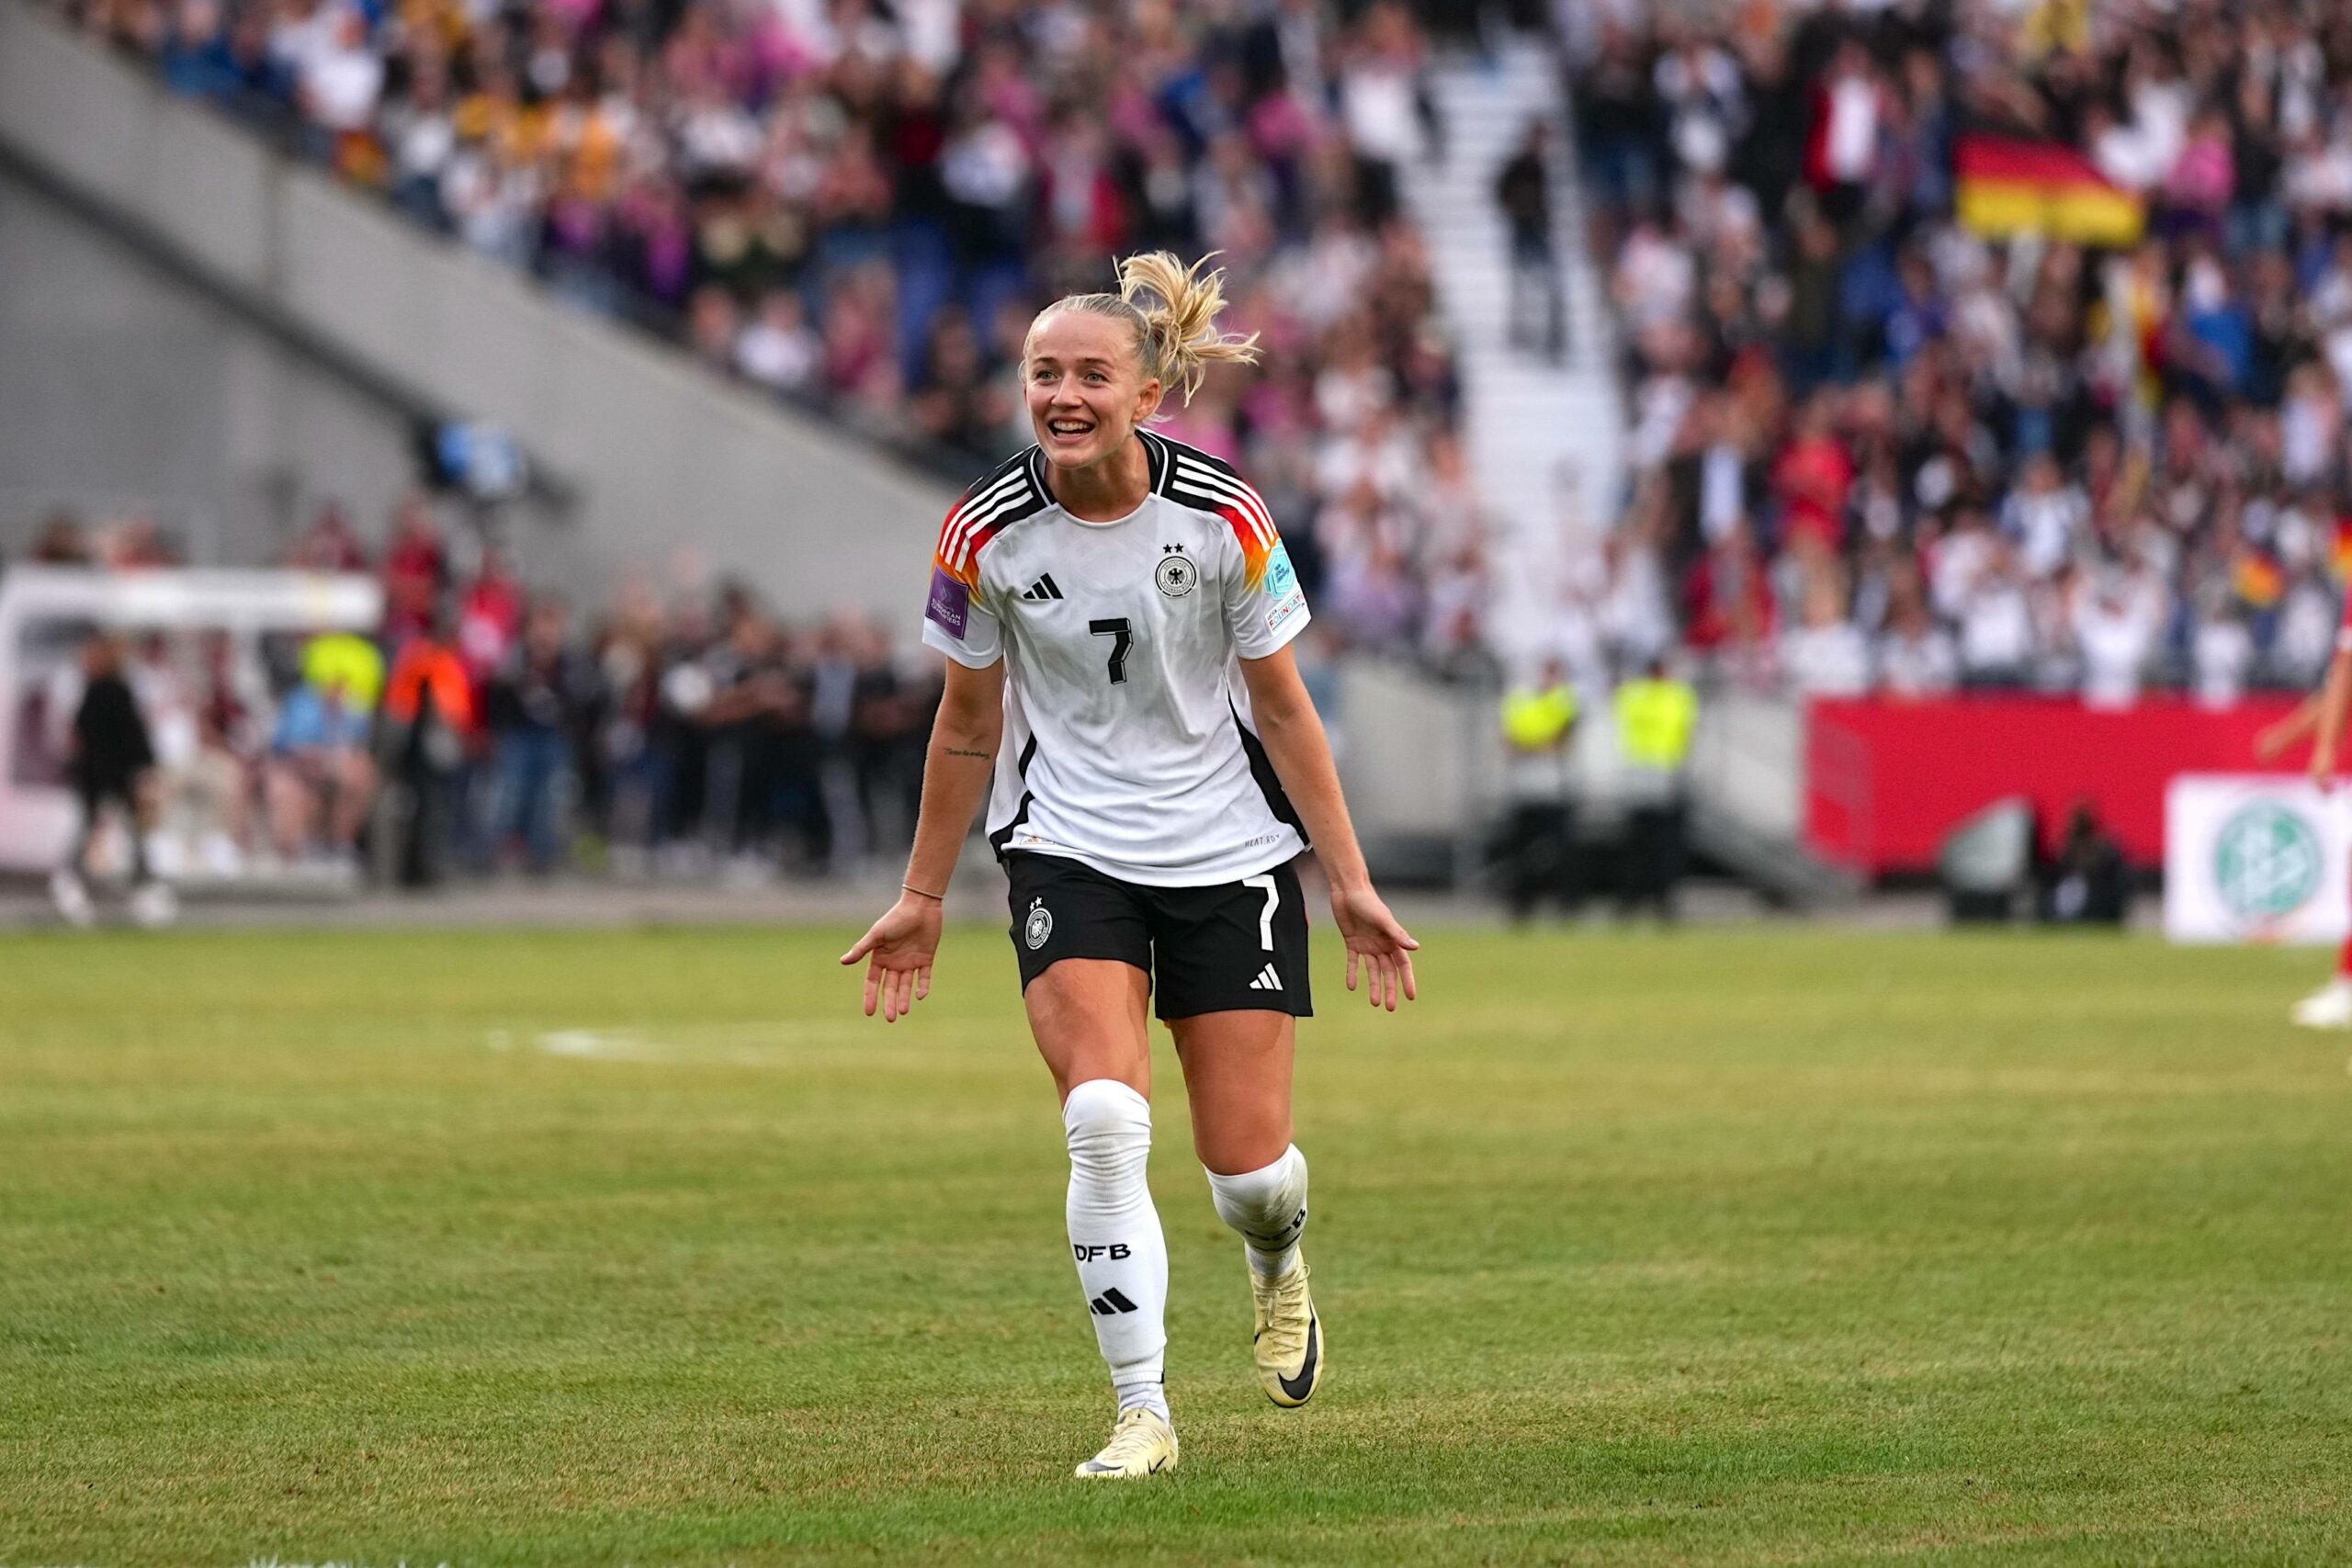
(661, 456)
(122, 387)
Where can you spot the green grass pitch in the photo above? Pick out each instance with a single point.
(643, 1247)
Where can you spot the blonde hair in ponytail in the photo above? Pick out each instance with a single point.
(1173, 309)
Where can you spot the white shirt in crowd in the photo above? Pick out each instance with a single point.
(1850, 145)
(1722, 492)
(341, 84)
(2045, 525)
(2305, 635)
(2223, 652)
(1376, 104)
(1828, 661)
(1957, 562)
(2116, 634)
(1918, 664)
(1636, 617)
(1995, 629)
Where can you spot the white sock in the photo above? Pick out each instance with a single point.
(1269, 1208)
(1115, 1238)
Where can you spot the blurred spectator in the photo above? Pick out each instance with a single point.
(60, 542)
(1916, 656)
(533, 708)
(112, 758)
(1657, 715)
(1539, 840)
(1825, 656)
(429, 728)
(1538, 312)
(415, 571)
(2087, 883)
(330, 544)
(320, 781)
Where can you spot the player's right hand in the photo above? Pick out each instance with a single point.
(898, 948)
(1377, 945)
(2271, 743)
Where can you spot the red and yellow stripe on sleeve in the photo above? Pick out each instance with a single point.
(1243, 509)
(973, 522)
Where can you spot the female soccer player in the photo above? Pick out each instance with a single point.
(1116, 610)
(2321, 715)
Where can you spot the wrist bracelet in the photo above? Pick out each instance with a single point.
(934, 897)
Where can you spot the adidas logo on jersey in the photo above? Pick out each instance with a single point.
(1267, 980)
(1043, 587)
(1110, 1304)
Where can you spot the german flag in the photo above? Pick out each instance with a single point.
(2339, 556)
(2010, 186)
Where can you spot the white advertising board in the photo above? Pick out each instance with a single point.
(2257, 857)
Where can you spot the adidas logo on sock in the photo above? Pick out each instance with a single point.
(1110, 1304)
(1267, 980)
(1043, 587)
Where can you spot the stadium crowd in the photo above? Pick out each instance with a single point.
(487, 727)
(1883, 439)
(858, 204)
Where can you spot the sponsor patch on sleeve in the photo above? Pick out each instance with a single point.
(1281, 577)
(950, 603)
(1293, 604)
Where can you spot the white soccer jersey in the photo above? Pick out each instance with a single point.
(1128, 743)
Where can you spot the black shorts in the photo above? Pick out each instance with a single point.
(94, 789)
(1233, 947)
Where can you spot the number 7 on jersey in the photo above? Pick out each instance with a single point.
(1123, 638)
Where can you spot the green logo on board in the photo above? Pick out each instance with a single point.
(2267, 861)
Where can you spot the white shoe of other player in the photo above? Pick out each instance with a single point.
(72, 900)
(2330, 1006)
(153, 904)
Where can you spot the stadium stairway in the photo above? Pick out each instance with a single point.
(1545, 440)
(1547, 443)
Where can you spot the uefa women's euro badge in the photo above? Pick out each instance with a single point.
(951, 602)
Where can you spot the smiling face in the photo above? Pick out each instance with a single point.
(1085, 385)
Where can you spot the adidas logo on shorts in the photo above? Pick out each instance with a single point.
(1267, 980)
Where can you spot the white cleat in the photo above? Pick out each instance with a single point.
(154, 904)
(72, 900)
(1142, 1444)
(1288, 1346)
(2330, 1006)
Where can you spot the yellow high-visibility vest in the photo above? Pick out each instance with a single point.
(1654, 719)
(1534, 720)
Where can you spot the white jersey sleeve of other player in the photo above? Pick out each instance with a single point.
(1128, 741)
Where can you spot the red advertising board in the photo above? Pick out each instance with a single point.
(1885, 781)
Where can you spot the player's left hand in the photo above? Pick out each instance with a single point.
(1377, 945)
